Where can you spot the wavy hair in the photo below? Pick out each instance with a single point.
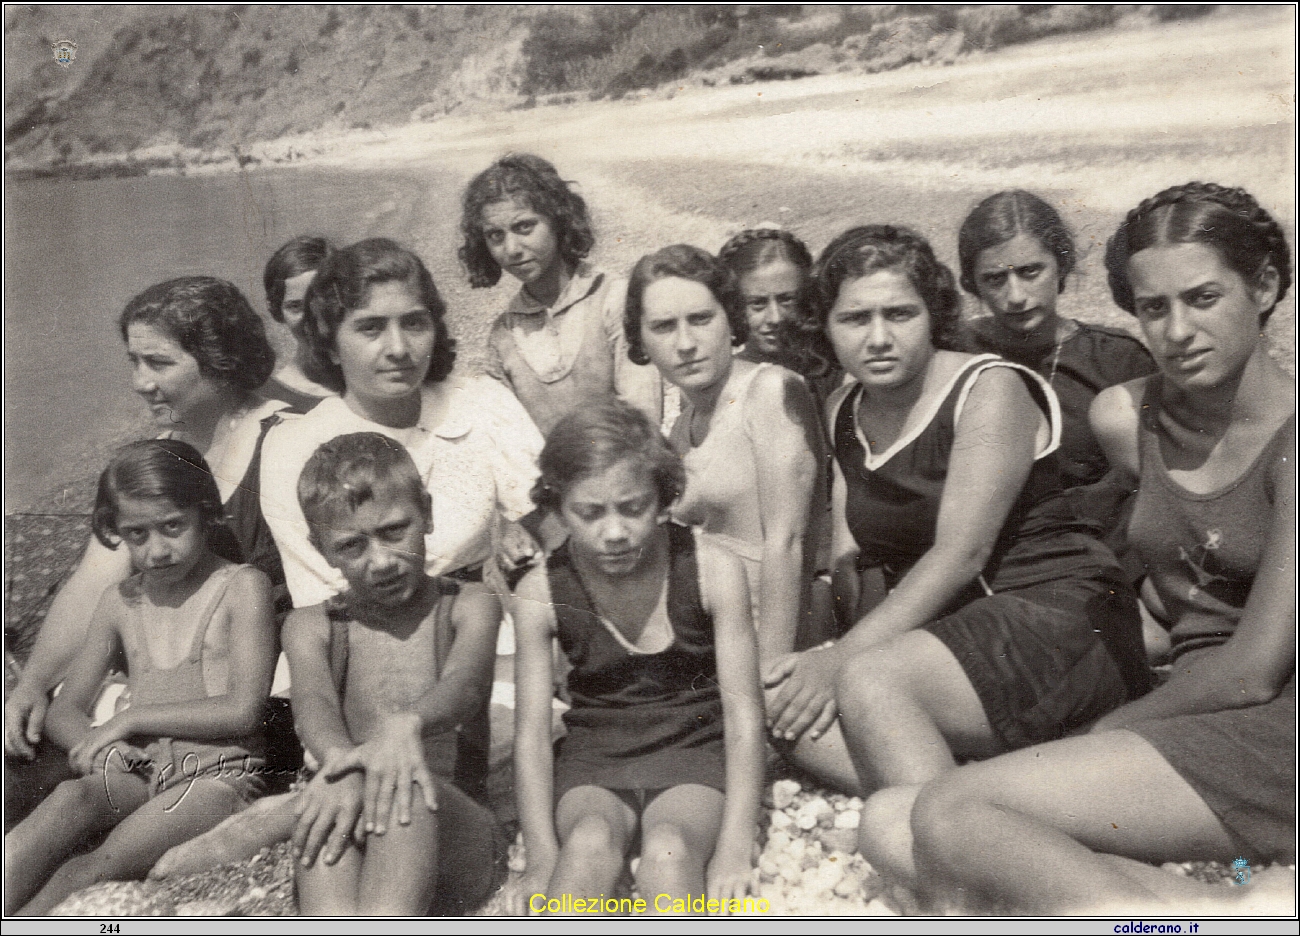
(999, 218)
(535, 183)
(681, 261)
(1228, 219)
(342, 285)
(303, 254)
(212, 321)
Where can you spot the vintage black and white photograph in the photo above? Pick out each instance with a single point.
(752, 460)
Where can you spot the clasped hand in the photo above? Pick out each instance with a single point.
(800, 693)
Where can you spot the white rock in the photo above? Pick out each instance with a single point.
(781, 820)
(855, 802)
(847, 886)
(768, 867)
(634, 864)
(878, 907)
(784, 792)
(806, 820)
(778, 841)
(849, 819)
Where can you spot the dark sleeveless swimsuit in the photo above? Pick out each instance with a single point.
(639, 721)
(1049, 635)
(1201, 553)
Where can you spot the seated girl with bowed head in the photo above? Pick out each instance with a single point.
(1203, 767)
(773, 271)
(665, 732)
(1006, 624)
(198, 639)
(288, 273)
(559, 344)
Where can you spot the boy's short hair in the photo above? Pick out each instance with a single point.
(596, 437)
(351, 470)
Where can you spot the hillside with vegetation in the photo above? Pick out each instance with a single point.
(178, 86)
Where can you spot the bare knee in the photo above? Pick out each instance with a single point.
(942, 809)
(595, 838)
(868, 683)
(665, 854)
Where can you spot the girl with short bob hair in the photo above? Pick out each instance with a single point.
(343, 284)
(1203, 767)
(211, 320)
(748, 435)
(286, 278)
(1016, 254)
(1004, 624)
(199, 642)
(665, 728)
(559, 343)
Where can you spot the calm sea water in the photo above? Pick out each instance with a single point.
(77, 251)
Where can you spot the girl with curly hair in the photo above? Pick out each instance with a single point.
(559, 343)
(1004, 624)
(198, 354)
(1203, 767)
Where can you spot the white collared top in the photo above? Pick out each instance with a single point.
(479, 461)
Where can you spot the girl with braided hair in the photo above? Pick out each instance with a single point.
(772, 268)
(559, 344)
(1006, 624)
(1204, 766)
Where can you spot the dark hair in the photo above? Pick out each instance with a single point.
(150, 469)
(591, 439)
(211, 320)
(354, 469)
(748, 251)
(869, 249)
(301, 255)
(342, 285)
(999, 218)
(1227, 219)
(681, 261)
(536, 184)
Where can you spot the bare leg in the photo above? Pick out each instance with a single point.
(826, 758)
(466, 844)
(141, 839)
(678, 833)
(906, 707)
(594, 827)
(330, 890)
(76, 810)
(1025, 829)
(885, 834)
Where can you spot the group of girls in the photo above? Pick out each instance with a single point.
(749, 494)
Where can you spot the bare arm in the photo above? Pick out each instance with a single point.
(1113, 418)
(992, 454)
(68, 721)
(1256, 662)
(534, 763)
(61, 637)
(248, 611)
(726, 598)
(783, 426)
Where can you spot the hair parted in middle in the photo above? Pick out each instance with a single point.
(149, 469)
(535, 183)
(212, 321)
(342, 285)
(999, 218)
(681, 261)
(594, 438)
(352, 469)
(861, 251)
(303, 254)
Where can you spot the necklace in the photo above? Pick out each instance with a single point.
(1067, 331)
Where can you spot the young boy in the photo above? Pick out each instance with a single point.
(383, 674)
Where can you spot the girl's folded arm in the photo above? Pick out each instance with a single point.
(736, 650)
(248, 610)
(68, 721)
(317, 708)
(534, 764)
